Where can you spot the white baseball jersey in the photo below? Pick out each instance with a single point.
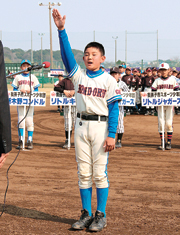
(93, 93)
(22, 82)
(165, 85)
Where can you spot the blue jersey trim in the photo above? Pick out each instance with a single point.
(14, 85)
(66, 52)
(15, 89)
(113, 118)
(93, 74)
(114, 98)
(37, 86)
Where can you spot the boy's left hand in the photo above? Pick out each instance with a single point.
(109, 144)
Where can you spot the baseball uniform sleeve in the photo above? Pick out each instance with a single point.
(15, 83)
(113, 118)
(36, 82)
(176, 85)
(154, 85)
(111, 93)
(67, 56)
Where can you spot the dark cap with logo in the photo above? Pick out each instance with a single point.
(114, 70)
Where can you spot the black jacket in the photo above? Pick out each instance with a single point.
(5, 119)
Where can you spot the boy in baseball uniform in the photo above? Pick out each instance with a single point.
(67, 88)
(121, 86)
(22, 83)
(165, 83)
(96, 124)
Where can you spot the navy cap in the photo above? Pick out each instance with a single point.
(26, 61)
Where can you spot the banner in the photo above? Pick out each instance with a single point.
(17, 98)
(128, 99)
(160, 98)
(57, 98)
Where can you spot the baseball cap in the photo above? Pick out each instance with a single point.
(148, 69)
(128, 68)
(102, 66)
(154, 69)
(114, 70)
(122, 65)
(26, 61)
(163, 66)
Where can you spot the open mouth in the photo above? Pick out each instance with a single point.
(90, 63)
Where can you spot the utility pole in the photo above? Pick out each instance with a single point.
(157, 51)
(50, 5)
(32, 61)
(94, 35)
(115, 38)
(41, 34)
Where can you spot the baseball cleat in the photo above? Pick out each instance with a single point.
(65, 146)
(160, 147)
(20, 145)
(29, 144)
(146, 113)
(84, 221)
(168, 146)
(99, 222)
(118, 144)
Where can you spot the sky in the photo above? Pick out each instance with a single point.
(102, 19)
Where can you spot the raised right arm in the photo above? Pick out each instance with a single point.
(66, 52)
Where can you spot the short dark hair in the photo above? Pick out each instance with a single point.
(96, 45)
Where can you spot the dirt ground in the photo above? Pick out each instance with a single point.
(43, 195)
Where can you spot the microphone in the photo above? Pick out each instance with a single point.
(45, 65)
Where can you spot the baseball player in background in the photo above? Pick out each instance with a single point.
(122, 69)
(22, 83)
(165, 83)
(146, 87)
(127, 79)
(96, 124)
(67, 88)
(121, 86)
(60, 78)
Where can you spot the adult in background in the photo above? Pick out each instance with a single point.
(5, 119)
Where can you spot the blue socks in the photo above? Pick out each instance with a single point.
(86, 195)
(30, 135)
(102, 195)
(20, 133)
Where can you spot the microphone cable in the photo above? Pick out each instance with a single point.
(18, 151)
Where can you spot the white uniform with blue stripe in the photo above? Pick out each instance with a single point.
(95, 95)
(22, 82)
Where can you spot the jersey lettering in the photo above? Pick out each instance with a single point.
(98, 92)
(165, 86)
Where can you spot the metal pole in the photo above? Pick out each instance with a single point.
(94, 35)
(115, 49)
(32, 61)
(50, 28)
(126, 47)
(157, 51)
(41, 52)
